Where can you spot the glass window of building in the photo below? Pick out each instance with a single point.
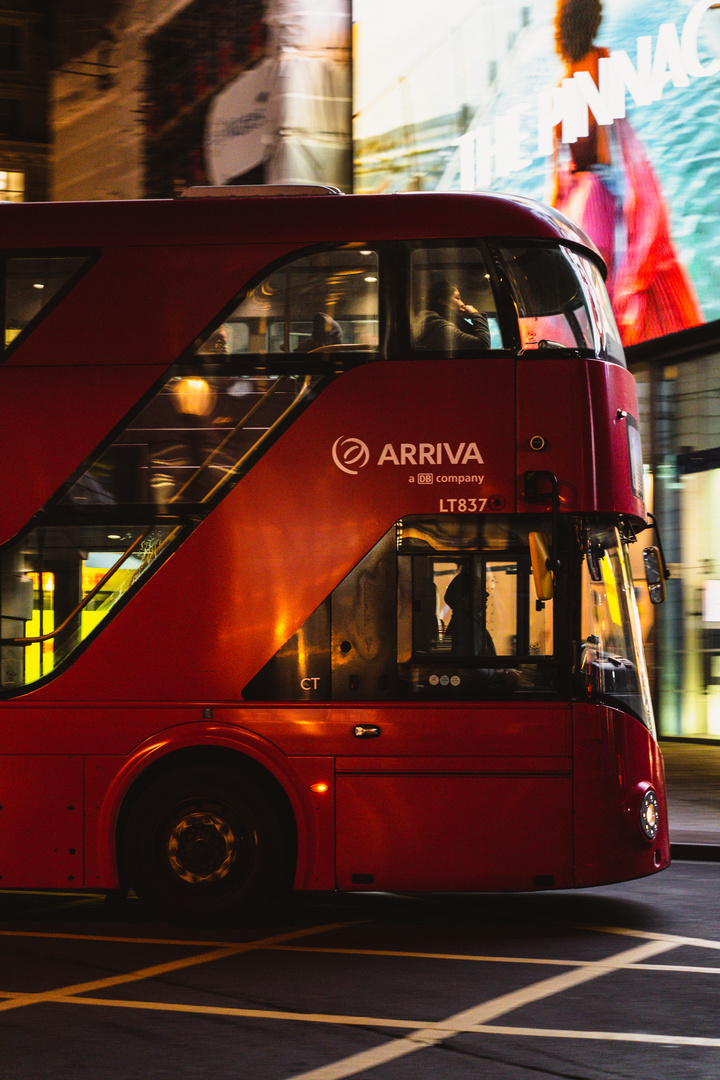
(12, 186)
(10, 118)
(680, 423)
(12, 46)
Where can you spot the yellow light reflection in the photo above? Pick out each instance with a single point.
(194, 396)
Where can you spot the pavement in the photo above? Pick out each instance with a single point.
(692, 779)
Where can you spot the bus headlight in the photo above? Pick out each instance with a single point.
(649, 815)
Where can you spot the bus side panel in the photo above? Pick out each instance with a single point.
(616, 761)
(41, 822)
(101, 870)
(39, 435)
(284, 557)
(552, 404)
(472, 796)
(580, 410)
(614, 397)
(420, 833)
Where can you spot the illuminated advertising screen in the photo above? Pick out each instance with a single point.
(607, 111)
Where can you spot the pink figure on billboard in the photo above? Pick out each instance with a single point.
(604, 182)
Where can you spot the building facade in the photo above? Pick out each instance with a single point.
(679, 390)
(160, 96)
(25, 57)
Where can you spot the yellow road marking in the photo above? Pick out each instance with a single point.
(649, 935)
(421, 1034)
(475, 958)
(480, 1015)
(191, 943)
(478, 958)
(442, 1027)
(151, 972)
(602, 1036)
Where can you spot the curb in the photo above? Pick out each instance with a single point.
(695, 852)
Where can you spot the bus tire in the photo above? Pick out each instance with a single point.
(205, 843)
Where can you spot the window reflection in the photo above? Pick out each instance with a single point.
(451, 301)
(561, 301)
(468, 623)
(30, 284)
(326, 302)
(194, 436)
(470, 607)
(613, 664)
(440, 608)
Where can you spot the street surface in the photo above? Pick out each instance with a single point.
(621, 981)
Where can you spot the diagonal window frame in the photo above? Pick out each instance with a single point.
(89, 257)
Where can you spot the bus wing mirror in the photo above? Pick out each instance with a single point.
(539, 558)
(655, 574)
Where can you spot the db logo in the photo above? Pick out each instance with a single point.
(350, 455)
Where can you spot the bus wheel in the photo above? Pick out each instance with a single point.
(205, 842)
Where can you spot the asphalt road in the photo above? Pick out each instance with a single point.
(622, 981)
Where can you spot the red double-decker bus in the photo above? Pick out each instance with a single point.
(315, 521)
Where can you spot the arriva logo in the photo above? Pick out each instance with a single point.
(430, 454)
(350, 452)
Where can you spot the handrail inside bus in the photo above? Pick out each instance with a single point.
(85, 600)
(341, 346)
(238, 427)
(238, 464)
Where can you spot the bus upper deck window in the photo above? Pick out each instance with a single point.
(561, 301)
(322, 303)
(452, 305)
(30, 285)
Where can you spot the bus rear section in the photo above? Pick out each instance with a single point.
(350, 612)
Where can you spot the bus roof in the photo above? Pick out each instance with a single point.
(318, 216)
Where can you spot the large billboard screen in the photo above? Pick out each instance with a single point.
(609, 112)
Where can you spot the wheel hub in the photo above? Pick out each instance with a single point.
(202, 847)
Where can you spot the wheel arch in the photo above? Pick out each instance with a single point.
(242, 750)
(207, 754)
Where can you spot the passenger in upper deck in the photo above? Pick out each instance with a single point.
(325, 332)
(216, 343)
(449, 324)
